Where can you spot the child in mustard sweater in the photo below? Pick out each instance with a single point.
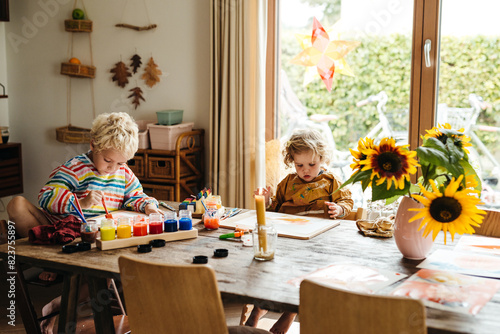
(306, 192)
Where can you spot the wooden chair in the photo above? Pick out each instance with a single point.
(491, 225)
(360, 213)
(163, 298)
(324, 309)
(354, 215)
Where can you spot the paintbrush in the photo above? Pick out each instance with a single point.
(108, 215)
(234, 213)
(167, 206)
(228, 213)
(203, 203)
(80, 214)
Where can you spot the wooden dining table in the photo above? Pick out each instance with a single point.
(239, 276)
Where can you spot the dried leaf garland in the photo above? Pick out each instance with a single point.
(152, 73)
(121, 73)
(136, 62)
(137, 96)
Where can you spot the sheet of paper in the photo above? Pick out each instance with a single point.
(466, 263)
(292, 226)
(479, 244)
(449, 291)
(352, 277)
(119, 214)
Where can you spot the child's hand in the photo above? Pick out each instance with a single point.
(334, 210)
(152, 208)
(94, 197)
(266, 192)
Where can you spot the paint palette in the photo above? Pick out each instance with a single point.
(134, 241)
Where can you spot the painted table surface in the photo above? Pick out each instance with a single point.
(244, 279)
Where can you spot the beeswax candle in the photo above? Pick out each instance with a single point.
(260, 206)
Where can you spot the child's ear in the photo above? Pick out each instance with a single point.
(92, 145)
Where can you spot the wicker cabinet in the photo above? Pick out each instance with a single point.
(172, 175)
(11, 169)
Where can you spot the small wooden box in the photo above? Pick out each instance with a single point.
(136, 165)
(73, 134)
(78, 25)
(159, 191)
(134, 241)
(78, 70)
(161, 167)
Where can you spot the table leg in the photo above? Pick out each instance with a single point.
(101, 305)
(69, 302)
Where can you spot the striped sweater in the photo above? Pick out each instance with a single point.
(79, 176)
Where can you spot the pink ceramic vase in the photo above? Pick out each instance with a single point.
(408, 238)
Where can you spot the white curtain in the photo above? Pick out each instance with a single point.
(237, 106)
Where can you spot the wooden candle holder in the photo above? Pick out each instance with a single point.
(134, 241)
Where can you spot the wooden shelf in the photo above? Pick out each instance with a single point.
(171, 175)
(11, 169)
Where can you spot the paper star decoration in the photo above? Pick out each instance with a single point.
(324, 54)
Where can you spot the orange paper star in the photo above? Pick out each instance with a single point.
(324, 54)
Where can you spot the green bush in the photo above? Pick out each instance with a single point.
(468, 65)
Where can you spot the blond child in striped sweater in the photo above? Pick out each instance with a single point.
(100, 173)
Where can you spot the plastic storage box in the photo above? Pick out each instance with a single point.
(169, 117)
(164, 137)
(144, 133)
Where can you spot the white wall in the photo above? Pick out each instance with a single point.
(36, 43)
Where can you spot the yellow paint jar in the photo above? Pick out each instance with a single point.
(124, 229)
(107, 230)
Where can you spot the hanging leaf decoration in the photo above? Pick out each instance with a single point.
(136, 62)
(121, 73)
(152, 73)
(137, 96)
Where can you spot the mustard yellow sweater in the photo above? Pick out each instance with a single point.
(295, 196)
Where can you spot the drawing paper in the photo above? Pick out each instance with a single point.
(448, 291)
(463, 262)
(352, 277)
(479, 244)
(300, 227)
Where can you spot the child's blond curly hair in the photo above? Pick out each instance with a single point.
(303, 141)
(116, 131)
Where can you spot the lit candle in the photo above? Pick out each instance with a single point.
(261, 220)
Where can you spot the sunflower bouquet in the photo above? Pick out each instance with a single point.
(449, 188)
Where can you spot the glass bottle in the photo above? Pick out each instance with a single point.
(211, 218)
(265, 238)
(170, 224)
(124, 229)
(107, 229)
(185, 220)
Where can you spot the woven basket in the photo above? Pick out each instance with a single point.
(78, 25)
(72, 134)
(78, 70)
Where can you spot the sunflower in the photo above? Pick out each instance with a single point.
(358, 155)
(453, 210)
(460, 141)
(390, 162)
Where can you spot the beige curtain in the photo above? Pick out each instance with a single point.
(237, 106)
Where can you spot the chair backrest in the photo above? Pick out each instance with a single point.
(164, 298)
(490, 226)
(324, 309)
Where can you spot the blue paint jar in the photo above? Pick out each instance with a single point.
(170, 223)
(185, 221)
